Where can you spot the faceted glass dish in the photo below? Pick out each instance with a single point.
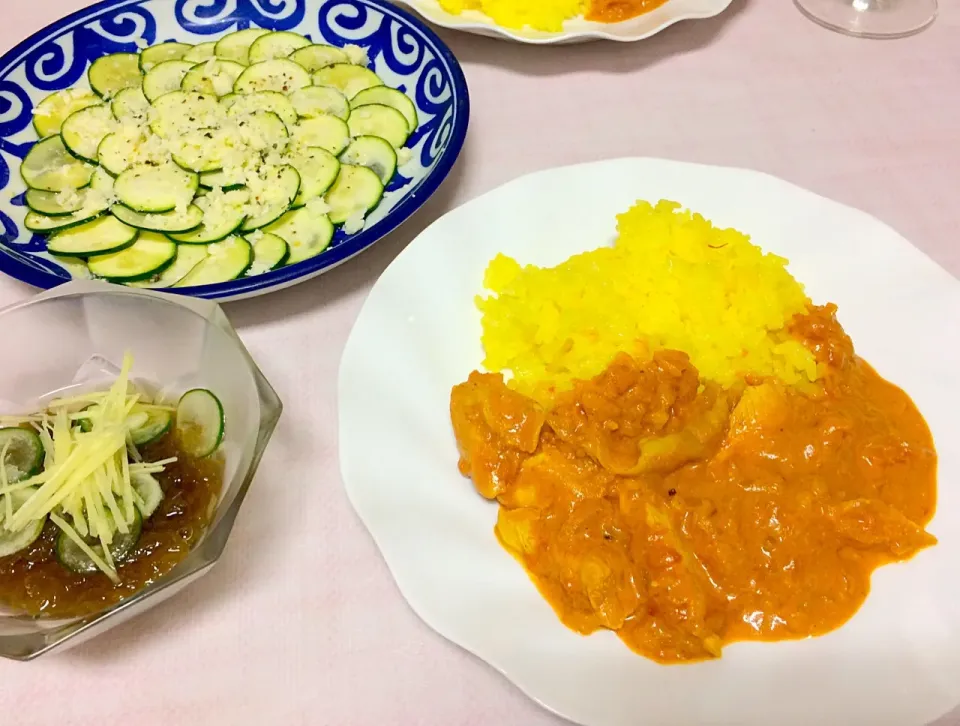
(74, 337)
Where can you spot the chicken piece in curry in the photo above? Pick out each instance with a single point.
(684, 516)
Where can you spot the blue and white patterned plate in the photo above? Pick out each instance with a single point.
(402, 51)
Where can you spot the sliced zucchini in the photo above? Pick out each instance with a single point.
(83, 131)
(262, 131)
(379, 120)
(201, 52)
(188, 257)
(165, 78)
(320, 101)
(148, 256)
(225, 261)
(203, 150)
(200, 420)
(180, 111)
(326, 132)
(147, 188)
(130, 105)
(385, 96)
(278, 44)
(166, 222)
(13, 542)
(356, 191)
(24, 456)
(273, 194)
(102, 182)
(373, 152)
(55, 204)
(315, 57)
(128, 146)
(110, 74)
(49, 167)
(236, 46)
(149, 491)
(347, 78)
(51, 112)
(161, 53)
(42, 224)
(71, 556)
(269, 253)
(102, 235)
(318, 170)
(281, 75)
(221, 180)
(223, 214)
(241, 105)
(215, 77)
(306, 233)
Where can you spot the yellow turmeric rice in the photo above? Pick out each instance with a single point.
(671, 280)
(547, 15)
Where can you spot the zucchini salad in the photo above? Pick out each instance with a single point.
(194, 165)
(103, 493)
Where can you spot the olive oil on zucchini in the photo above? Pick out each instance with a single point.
(35, 583)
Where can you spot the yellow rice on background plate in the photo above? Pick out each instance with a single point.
(671, 280)
(546, 15)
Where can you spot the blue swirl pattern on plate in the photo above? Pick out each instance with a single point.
(402, 50)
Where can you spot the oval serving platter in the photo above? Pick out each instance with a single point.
(401, 50)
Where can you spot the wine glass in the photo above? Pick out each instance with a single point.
(871, 18)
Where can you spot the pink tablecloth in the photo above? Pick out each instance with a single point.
(301, 623)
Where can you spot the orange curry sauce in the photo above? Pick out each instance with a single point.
(613, 11)
(684, 516)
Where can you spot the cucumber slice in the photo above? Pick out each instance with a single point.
(42, 224)
(223, 214)
(356, 191)
(102, 235)
(161, 53)
(180, 111)
(155, 425)
(281, 75)
(200, 421)
(146, 257)
(236, 46)
(273, 193)
(165, 78)
(130, 106)
(51, 112)
(112, 73)
(102, 182)
(49, 167)
(146, 188)
(373, 152)
(279, 44)
(320, 101)
(225, 261)
(262, 131)
(347, 78)
(76, 560)
(215, 77)
(55, 204)
(149, 490)
(269, 253)
(166, 222)
(203, 150)
(379, 120)
(24, 456)
(13, 542)
(326, 132)
(201, 52)
(385, 96)
(305, 232)
(240, 105)
(83, 131)
(188, 257)
(318, 170)
(315, 57)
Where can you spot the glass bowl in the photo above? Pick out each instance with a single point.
(75, 336)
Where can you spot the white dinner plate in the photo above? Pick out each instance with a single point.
(576, 30)
(897, 662)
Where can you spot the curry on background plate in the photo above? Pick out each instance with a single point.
(686, 450)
